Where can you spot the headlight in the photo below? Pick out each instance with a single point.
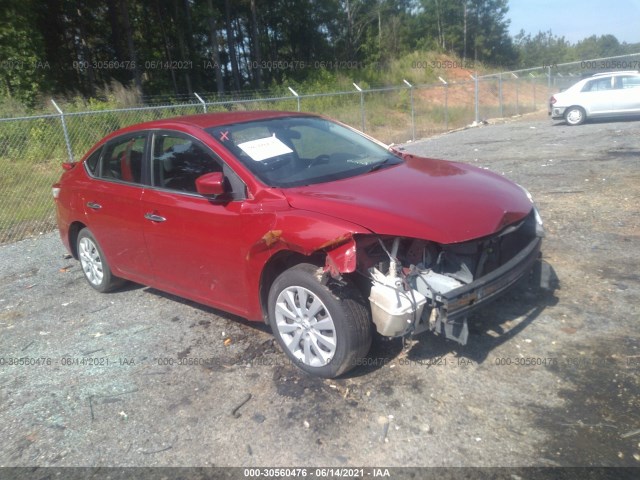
(539, 225)
(538, 217)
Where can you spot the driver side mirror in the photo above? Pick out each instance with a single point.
(211, 184)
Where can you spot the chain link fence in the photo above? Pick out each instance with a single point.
(32, 148)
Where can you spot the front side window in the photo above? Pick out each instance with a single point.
(630, 81)
(123, 159)
(177, 161)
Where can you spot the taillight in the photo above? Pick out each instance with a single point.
(552, 100)
(55, 190)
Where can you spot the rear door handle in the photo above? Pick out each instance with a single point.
(153, 217)
(94, 206)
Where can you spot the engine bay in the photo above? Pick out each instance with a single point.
(411, 279)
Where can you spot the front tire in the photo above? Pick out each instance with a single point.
(323, 329)
(575, 116)
(94, 265)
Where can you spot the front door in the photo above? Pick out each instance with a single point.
(193, 243)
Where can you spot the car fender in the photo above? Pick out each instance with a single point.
(304, 233)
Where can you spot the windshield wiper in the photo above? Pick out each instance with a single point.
(385, 162)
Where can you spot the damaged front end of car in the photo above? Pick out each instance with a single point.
(415, 285)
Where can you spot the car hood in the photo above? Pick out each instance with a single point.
(437, 200)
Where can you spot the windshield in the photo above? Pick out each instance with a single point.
(294, 151)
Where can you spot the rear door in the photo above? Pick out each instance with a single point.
(195, 244)
(626, 94)
(112, 206)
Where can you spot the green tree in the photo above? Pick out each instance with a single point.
(488, 32)
(544, 48)
(598, 46)
(476, 29)
(22, 63)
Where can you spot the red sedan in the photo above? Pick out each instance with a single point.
(300, 222)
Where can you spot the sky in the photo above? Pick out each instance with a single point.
(577, 19)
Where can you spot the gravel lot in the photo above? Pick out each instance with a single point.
(549, 378)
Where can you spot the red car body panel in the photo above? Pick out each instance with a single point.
(119, 222)
(459, 202)
(215, 253)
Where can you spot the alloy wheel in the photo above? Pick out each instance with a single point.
(305, 325)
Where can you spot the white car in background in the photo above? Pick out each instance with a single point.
(611, 94)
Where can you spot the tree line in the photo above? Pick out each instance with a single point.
(545, 48)
(179, 47)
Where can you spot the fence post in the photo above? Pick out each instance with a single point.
(500, 95)
(295, 94)
(477, 94)
(361, 104)
(413, 116)
(204, 105)
(64, 131)
(533, 83)
(446, 103)
(517, 99)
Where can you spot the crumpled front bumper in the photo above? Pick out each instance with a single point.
(441, 300)
(462, 300)
(456, 304)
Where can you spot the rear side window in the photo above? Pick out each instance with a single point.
(122, 159)
(92, 162)
(598, 85)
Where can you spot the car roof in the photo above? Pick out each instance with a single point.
(625, 72)
(207, 120)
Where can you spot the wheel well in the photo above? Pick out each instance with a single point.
(575, 106)
(74, 230)
(277, 264)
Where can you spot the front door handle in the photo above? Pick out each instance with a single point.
(153, 217)
(94, 205)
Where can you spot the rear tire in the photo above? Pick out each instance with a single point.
(575, 116)
(94, 265)
(324, 329)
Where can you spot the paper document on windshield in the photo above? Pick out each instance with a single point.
(264, 148)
